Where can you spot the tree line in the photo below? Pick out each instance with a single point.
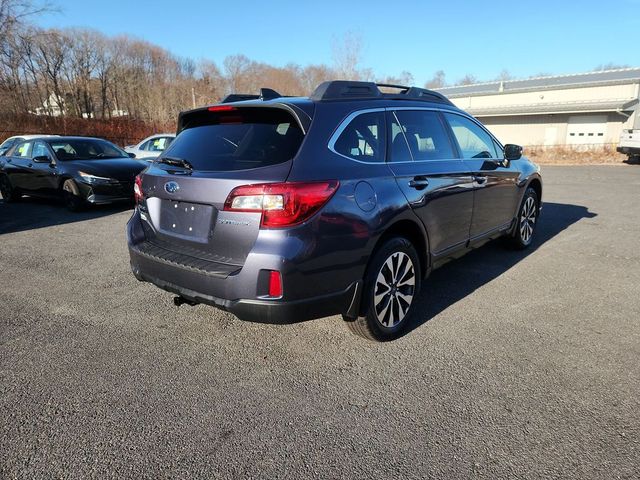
(84, 73)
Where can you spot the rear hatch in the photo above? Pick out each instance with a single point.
(185, 189)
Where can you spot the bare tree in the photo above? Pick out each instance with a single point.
(13, 13)
(504, 76)
(347, 55)
(468, 79)
(610, 66)
(438, 80)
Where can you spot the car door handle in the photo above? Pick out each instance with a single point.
(419, 182)
(480, 180)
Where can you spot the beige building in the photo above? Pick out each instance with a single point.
(582, 109)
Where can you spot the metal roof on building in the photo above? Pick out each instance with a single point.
(604, 77)
(559, 107)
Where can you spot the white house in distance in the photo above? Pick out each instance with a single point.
(55, 106)
(580, 109)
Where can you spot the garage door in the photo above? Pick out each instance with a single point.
(585, 129)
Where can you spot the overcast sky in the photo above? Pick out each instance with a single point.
(477, 37)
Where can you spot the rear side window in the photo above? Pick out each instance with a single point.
(159, 144)
(23, 150)
(364, 138)
(237, 139)
(474, 142)
(425, 134)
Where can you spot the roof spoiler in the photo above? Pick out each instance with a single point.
(265, 94)
(351, 90)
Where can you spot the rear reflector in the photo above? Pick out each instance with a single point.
(282, 204)
(275, 284)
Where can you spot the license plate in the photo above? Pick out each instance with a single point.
(186, 219)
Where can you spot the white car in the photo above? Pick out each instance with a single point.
(151, 147)
(630, 143)
(11, 141)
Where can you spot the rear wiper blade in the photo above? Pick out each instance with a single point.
(180, 162)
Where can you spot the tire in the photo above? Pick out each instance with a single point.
(9, 194)
(527, 220)
(379, 322)
(72, 198)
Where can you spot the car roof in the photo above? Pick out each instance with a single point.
(32, 136)
(344, 94)
(354, 93)
(73, 137)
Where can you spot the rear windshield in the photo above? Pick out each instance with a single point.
(237, 139)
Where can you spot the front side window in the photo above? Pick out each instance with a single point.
(39, 150)
(473, 141)
(364, 138)
(425, 135)
(499, 149)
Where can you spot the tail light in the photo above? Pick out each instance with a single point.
(282, 204)
(137, 189)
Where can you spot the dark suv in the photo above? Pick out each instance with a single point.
(282, 209)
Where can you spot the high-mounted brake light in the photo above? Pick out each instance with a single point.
(282, 204)
(137, 189)
(221, 108)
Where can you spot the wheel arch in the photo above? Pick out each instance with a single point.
(536, 184)
(414, 233)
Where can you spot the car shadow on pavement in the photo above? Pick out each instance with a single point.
(31, 213)
(459, 278)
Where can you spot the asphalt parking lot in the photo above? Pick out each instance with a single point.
(519, 364)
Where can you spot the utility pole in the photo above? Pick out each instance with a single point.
(193, 96)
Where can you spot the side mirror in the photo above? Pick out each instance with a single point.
(512, 152)
(42, 159)
(131, 155)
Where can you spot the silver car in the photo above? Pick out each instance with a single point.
(151, 147)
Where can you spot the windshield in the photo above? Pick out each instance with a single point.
(8, 143)
(238, 139)
(86, 149)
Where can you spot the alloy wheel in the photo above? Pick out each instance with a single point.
(394, 289)
(528, 219)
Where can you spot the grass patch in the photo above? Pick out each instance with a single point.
(575, 155)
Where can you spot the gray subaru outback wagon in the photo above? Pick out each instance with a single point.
(282, 209)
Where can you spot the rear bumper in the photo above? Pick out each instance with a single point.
(308, 294)
(628, 150)
(264, 311)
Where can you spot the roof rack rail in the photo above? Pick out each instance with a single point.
(352, 90)
(265, 94)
